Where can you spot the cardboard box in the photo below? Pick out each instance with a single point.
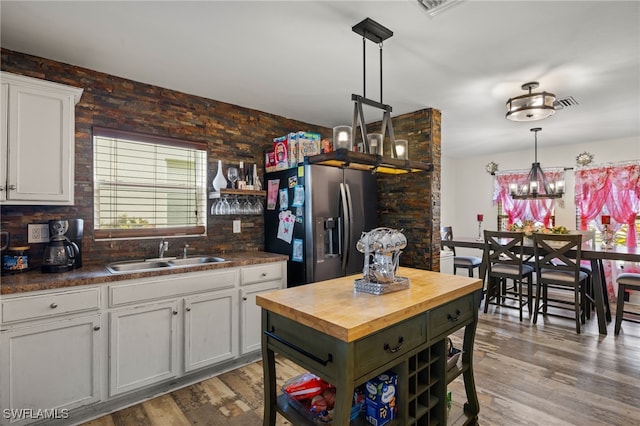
(381, 399)
(281, 152)
(308, 144)
(269, 161)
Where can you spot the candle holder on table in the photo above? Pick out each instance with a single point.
(480, 218)
(608, 234)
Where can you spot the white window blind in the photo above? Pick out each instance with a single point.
(147, 185)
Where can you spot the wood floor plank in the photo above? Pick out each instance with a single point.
(535, 375)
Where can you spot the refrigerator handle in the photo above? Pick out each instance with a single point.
(346, 219)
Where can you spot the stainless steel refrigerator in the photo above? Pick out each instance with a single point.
(315, 215)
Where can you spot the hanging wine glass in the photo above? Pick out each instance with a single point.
(225, 207)
(215, 207)
(232, 174)
(247, 208)
(257, 206)
(235, 206)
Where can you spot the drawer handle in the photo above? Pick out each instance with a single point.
(397, 348)
(456, 318)
(321, 361)
(53, 305)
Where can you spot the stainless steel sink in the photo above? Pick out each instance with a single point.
(136, 266)
(155, 264)
(192, 261)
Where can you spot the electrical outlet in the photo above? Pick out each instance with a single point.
(38, 233)
(236, 227)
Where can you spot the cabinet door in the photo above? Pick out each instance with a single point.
(211, 328)
(251, 315)
(41, 146)
(50, 366)
(143, 346)
(3, 140)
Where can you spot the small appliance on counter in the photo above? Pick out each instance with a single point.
(60, 254)
(382, 248)
(75, 234)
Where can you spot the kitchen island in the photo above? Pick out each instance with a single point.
(348, 337)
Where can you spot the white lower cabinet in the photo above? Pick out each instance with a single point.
(210, 328)
(49, 368)
(143, 346)
(158, 331)
(251, 315)
(255, 280)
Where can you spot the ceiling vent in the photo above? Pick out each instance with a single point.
(565, 102)
(434, 7)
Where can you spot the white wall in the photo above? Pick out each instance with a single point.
(467, 189)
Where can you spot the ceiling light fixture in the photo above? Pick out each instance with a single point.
(435, 7)
(532, 106)
(536, 185)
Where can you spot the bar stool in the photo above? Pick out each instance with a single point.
(626, 281)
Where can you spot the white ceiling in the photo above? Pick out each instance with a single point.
(302, 60)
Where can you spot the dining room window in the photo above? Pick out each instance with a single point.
(609, 195)
(147, 185)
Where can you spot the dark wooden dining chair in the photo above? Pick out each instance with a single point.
(626, 281)
(465, 262)
(506, 261)
(557, 260)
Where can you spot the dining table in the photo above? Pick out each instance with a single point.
(590, 250)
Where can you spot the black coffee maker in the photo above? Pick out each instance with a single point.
(60, 254)
(75, 234)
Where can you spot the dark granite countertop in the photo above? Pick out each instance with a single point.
(36, 280)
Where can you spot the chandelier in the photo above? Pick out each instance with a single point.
(537, 185)
(532, 106)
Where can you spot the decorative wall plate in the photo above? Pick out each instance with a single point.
(584, 158)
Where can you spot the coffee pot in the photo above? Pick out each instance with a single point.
(60, 254)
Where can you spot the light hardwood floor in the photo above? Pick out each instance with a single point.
(526, 374)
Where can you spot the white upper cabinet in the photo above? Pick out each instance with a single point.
(38, 141)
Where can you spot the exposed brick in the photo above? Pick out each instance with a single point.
(233, 134)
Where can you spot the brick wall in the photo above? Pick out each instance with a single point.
(412, 201)
(232, 134)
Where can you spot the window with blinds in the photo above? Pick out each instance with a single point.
(148, 186)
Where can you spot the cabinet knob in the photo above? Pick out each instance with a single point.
(175, 312)
(53, 305)
(11, 187)
(96, 328)
(244, 297)
(188, 308)
(264, 274)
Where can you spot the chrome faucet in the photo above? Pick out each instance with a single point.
(164, 246)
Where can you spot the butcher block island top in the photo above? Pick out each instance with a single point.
(334, 308)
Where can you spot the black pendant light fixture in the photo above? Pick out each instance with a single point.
(537, 185)
(377, 33)
(532, 106)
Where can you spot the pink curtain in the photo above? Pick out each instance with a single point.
(615, 186)
(538, 210)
